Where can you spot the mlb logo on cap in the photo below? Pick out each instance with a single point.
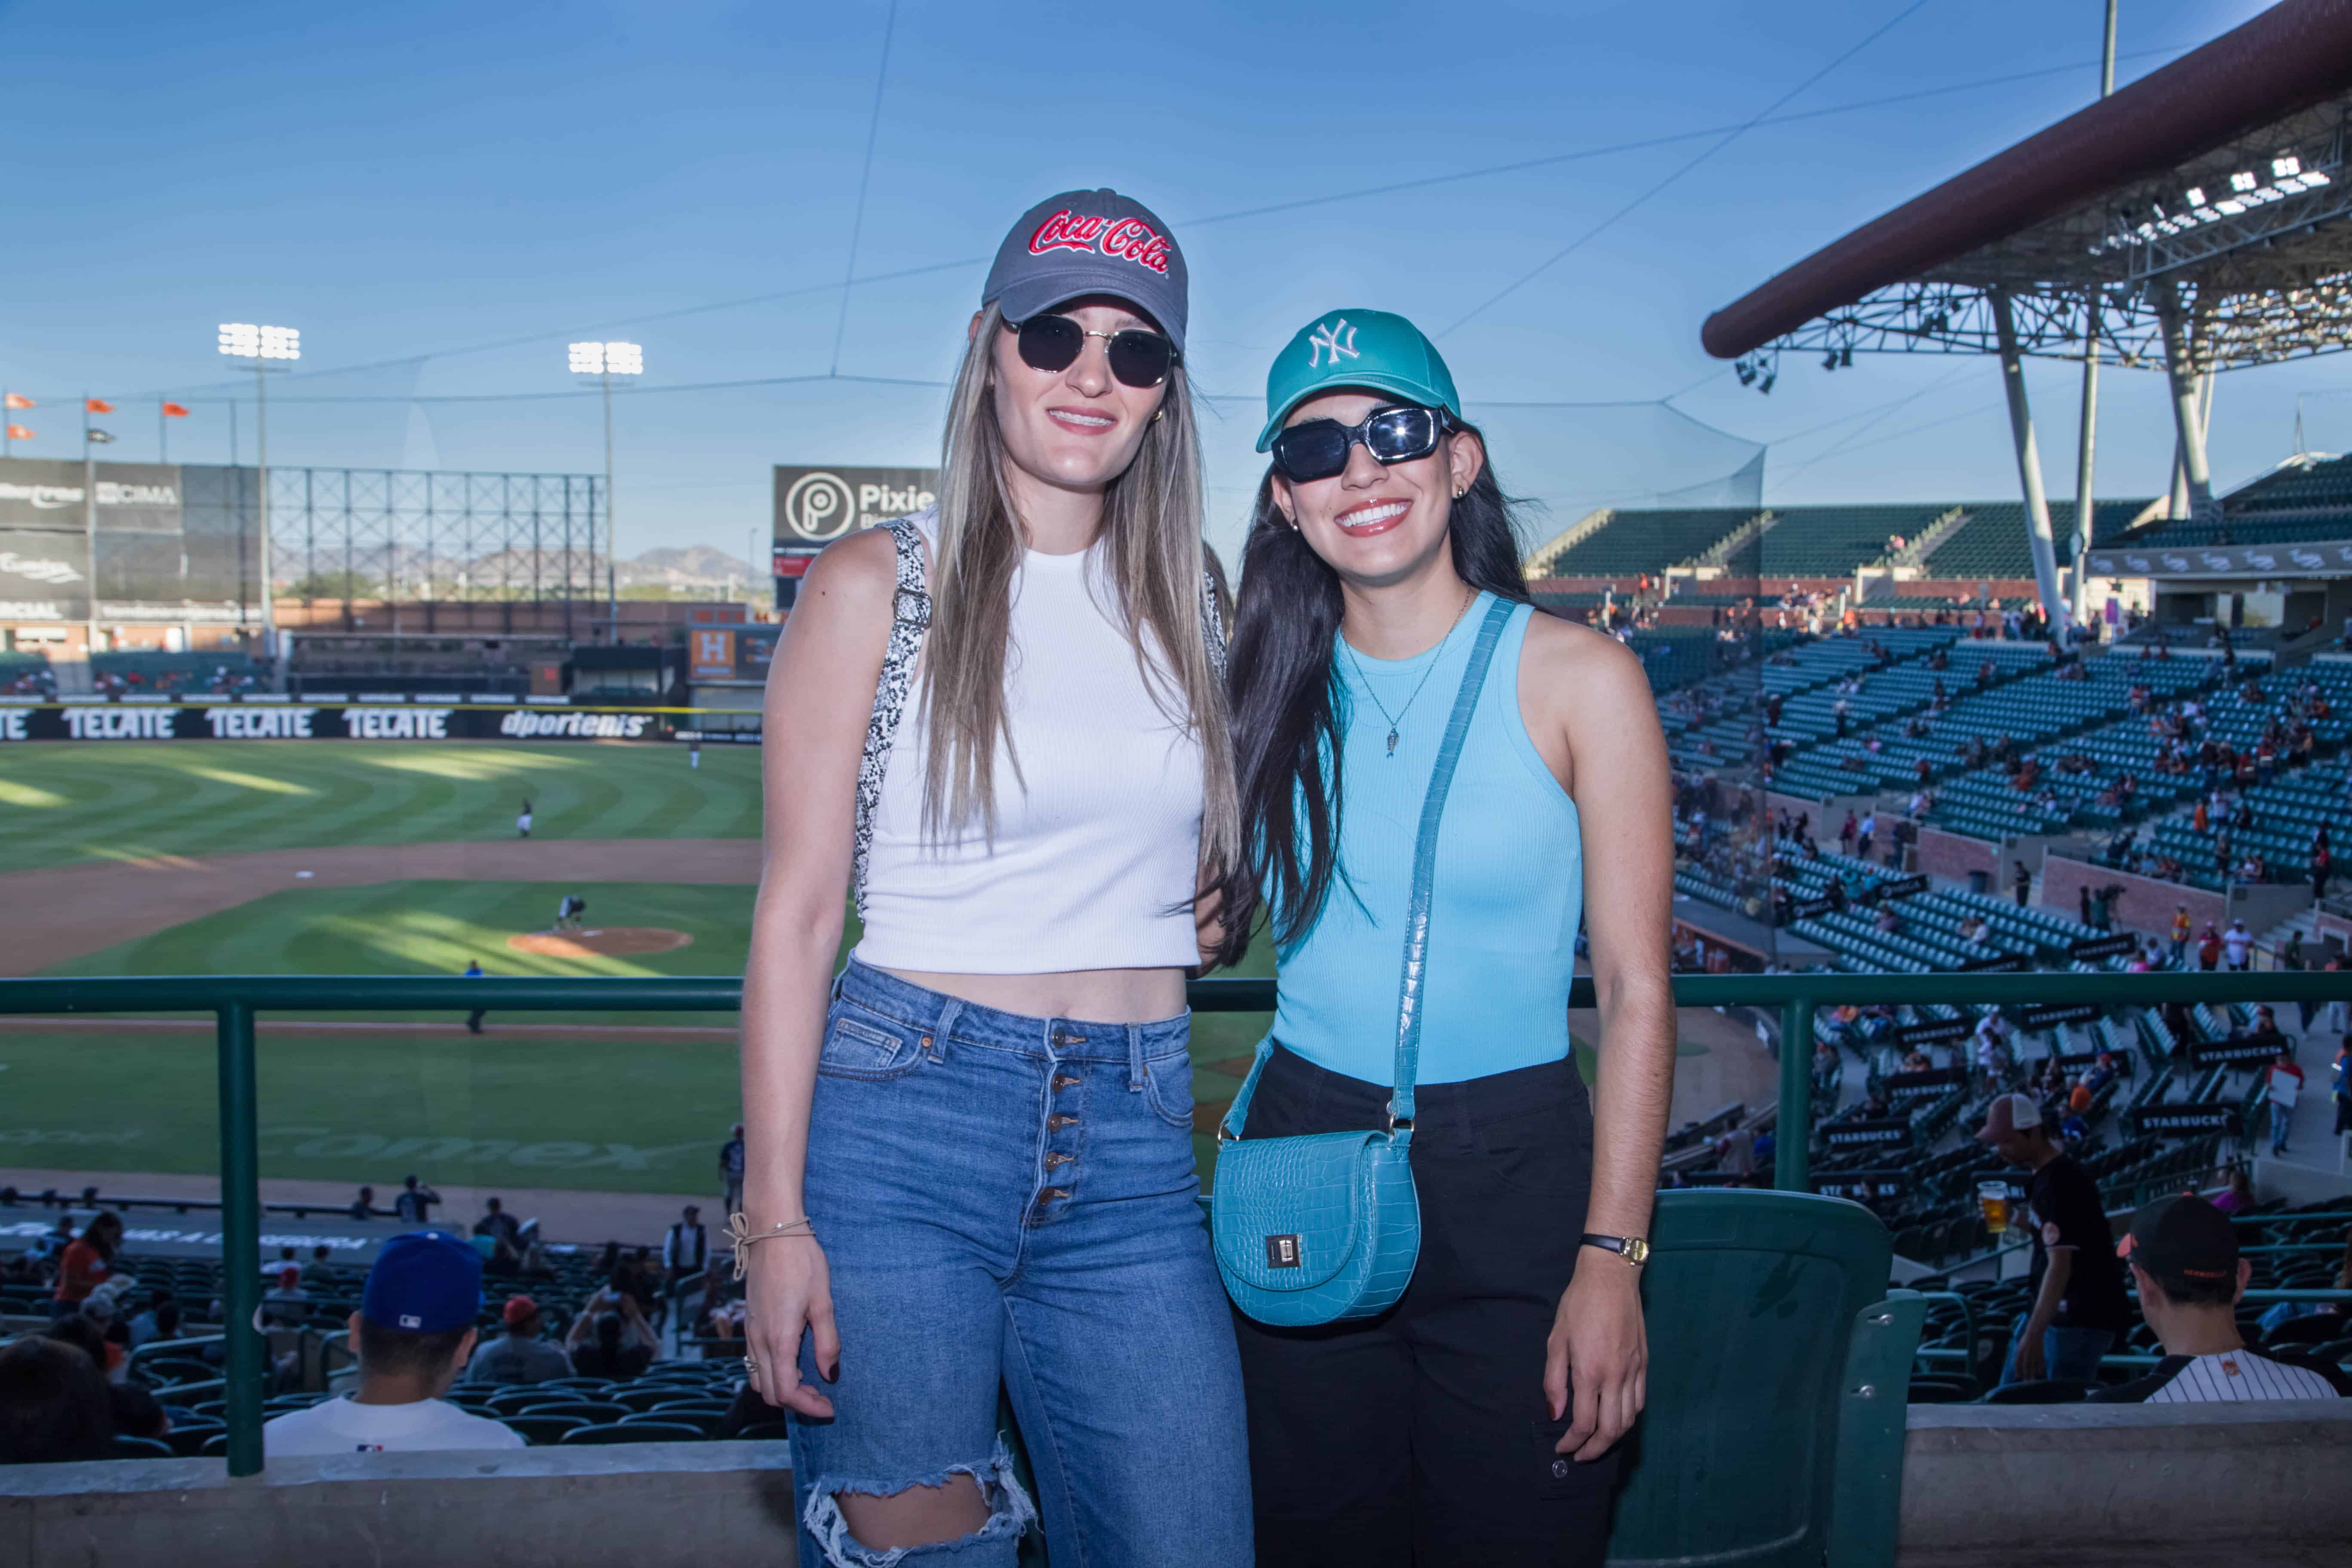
(425, 1283)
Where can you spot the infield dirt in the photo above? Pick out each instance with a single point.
(70, 910)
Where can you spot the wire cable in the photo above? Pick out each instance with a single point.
(865, 180)
(1630, 207)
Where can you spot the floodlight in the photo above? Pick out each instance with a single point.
(1765, 386)
(607, 359)
(2243, 182)
(2283, 167)
(244, 340)
(1846, 357)
(2196, 196)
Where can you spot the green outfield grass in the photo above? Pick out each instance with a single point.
(63, 803)
(494, 1106)
(590, 1114)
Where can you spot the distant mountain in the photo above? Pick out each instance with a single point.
(696, 562)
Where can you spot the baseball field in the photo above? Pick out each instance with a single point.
(352, 857)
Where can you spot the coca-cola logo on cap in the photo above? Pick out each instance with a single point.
(1127, 239)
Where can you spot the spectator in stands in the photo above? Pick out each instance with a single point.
(89, 1331)
(730, 1171)
(2079, 1309)
(161, 1321)
(1869, 831)
(286, 1304)
(2184, 1257)
(414, 1204)
(2286, 1084)
(2238, 1197)
(2340, 1086)
(496, 1222)
(319, 1272)
(412, 1334)
(2208, 948)
(2323, 866)
(2180, 936)
(87, 1263)
(2264, 1030)
(54, 1407)
(363, 1205)
(518, 1356)
(687, 1249)
(2021, 882)
(610, 1338)
(1846, 834)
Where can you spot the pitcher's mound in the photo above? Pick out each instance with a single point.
(604, 941)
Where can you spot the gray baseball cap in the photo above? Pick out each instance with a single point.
(1090, 242)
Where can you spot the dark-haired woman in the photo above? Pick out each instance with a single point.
(88, 1262)
(999, 724)
(1474, 1420)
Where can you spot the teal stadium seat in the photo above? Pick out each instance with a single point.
(1780, 1366)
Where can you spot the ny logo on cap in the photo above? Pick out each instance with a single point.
(1329, 337)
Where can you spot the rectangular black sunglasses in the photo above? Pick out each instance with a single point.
(1138, 357)
(1319, 448)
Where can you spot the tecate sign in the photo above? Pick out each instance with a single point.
(815, 506)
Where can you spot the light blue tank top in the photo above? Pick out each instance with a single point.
(1510, 888)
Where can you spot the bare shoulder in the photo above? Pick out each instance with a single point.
(1575, 665)
(859, 569)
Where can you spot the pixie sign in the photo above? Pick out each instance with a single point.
(1126, 239)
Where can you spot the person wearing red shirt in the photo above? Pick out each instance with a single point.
(87, 1263)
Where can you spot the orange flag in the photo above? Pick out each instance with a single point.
(18, 432)
(100, 405)
(175, 411)
(16, 400)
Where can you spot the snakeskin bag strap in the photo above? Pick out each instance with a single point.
(910, 617)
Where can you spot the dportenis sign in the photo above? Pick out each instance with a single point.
(332, 721)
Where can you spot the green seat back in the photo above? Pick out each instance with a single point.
(1768, 1318)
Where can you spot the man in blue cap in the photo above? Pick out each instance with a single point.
(413, 1333)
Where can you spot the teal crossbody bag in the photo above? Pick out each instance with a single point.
(1324, 1228)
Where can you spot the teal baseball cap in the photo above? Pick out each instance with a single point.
(1356, 348)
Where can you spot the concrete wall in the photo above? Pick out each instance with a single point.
(2147, 904)
(2252, 1486)
(2021, 1486)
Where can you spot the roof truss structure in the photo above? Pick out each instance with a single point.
(2256, 237)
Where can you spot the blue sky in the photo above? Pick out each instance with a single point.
(440, 194)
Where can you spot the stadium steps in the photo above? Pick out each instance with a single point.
(1542, 563)
(1926, 543)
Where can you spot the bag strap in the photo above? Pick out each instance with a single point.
(1424, 869)
(910, 618)
(1424, 863)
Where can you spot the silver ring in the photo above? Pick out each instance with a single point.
(751, 1365)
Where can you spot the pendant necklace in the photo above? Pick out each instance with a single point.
(1396, 720)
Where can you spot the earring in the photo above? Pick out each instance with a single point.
(1158, 414)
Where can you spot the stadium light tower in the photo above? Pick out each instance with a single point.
(605, 361)
(267, 347)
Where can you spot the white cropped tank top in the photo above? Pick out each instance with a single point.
(1097, 843)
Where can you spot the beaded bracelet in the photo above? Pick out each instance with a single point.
(738, 1231)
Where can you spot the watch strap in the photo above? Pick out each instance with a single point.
(1633, 1249)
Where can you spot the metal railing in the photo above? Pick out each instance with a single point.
(234, 1000)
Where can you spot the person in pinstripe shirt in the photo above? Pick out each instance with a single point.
(2183, 1254)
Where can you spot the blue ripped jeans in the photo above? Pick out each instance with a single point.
(1011, 1199)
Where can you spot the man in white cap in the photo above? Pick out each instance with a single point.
(2079, 1307)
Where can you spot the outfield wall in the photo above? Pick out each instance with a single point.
(490, 719)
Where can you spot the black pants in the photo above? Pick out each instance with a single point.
(1422, 1437)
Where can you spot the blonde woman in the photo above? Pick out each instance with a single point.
(1000, 723)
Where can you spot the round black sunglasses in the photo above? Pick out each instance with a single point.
(1139, 356)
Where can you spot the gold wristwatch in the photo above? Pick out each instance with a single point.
(1633, 1249)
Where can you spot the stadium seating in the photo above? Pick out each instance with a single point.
(1993, 542)
(1832, 541)
(1631, 542)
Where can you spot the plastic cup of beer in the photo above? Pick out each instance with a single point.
(1993, 1199)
